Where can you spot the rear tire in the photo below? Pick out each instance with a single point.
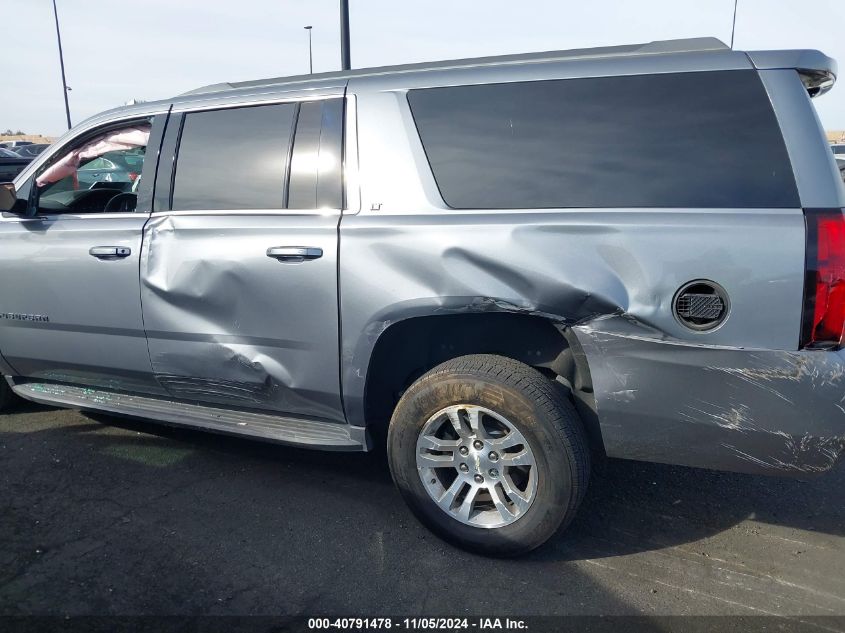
(489, 454)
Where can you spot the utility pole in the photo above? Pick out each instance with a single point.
(733, 26)
(62, 64)
(345, 62)
(310, 54)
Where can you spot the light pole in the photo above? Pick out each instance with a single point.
(345, 61)
(62, 64)
(310, 55)
(733, 26)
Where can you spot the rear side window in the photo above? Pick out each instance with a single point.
(315, 170)
(234, 158)
(706, 139)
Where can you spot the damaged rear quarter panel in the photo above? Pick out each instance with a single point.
(662, 392)
(722, 399)
(760, 411)
(571, 266)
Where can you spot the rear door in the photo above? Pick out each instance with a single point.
(239, 272)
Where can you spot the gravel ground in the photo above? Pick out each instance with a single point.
(107, 516)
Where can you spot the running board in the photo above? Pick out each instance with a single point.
(294, 431)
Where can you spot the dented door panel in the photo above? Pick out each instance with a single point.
(228, 324)
(67, 316)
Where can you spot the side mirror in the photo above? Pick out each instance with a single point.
(8, 196)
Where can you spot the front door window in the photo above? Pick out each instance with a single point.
(100, 176)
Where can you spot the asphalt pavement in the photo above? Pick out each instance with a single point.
(107, 516)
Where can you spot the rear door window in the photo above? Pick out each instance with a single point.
(234, 158)
(707, 139)
(282, 156)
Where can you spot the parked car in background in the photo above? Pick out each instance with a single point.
(498, 269)
(11, 164)
(13, 144)
(838, 149)
(32, 150)
(113, 167)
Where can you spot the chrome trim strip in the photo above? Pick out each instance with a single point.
(222, 102)
(278, 428)
(351, 174)
(321, 212)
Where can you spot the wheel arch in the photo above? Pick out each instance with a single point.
(404, 349)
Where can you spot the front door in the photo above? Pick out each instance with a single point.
(239, 266)
(70, 308)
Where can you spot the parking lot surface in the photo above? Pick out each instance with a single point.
(105, 516)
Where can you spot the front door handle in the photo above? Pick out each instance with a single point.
(294, 253)
(110, 252)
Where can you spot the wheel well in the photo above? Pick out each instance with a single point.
(409, 348)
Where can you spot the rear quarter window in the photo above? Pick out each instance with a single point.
(707, 139)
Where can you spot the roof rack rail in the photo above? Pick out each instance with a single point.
(665, 47)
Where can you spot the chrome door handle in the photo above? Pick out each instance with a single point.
(294, 253)
(110, 252)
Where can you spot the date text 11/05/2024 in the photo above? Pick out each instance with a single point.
(430, 624)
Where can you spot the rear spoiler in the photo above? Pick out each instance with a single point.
(817, 70)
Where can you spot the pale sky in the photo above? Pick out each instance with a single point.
(154, 49)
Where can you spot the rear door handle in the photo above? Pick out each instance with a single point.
(110, 252)
(294, 253)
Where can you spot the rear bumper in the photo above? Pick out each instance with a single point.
(771, 412)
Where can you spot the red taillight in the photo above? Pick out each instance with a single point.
(132, 176)
(824, 286)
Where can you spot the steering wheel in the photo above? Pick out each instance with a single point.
(123, 202)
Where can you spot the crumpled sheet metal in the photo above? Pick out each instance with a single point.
(660, 390)
(227, 324)
(758, 411)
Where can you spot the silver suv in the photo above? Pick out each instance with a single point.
(500, 269)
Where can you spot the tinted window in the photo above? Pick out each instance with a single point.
(330, 181)
(315, 171)
(304, 161)
(234, 158)
(705, 139)
(839, 149)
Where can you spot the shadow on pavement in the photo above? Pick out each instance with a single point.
(659, 505)
(109, 515)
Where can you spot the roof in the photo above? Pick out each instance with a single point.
(666, 47)
(818, 70)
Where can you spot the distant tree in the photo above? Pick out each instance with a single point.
(8, 132)
(20, 133)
